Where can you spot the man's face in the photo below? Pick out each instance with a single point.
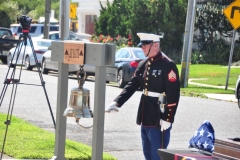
(151, 50)
(146, 47)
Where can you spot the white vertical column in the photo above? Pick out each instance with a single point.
(81, 22)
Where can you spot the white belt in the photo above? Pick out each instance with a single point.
(151, 94)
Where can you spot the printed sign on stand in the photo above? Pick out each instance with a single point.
(73, 52)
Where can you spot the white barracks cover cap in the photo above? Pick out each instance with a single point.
(147, 38)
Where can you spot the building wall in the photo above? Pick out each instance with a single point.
(85, 11)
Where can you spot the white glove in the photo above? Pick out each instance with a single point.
(112, 107)
(164, 125)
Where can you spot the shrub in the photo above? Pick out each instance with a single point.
(118, 41)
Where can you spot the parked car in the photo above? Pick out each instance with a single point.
(26, 58)
(126, 62)
(7, 42)
(48, 65)
(54, 35)
(35, 30)
(80, 36)
(237, 91)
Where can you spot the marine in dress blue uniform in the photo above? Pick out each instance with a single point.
(157, 74)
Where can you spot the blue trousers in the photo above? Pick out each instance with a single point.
(152, 140)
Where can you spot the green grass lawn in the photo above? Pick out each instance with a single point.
(26, 141)
(215, 74)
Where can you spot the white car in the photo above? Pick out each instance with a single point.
(54, 35)
(48, 65)
(35, 30)
(17, 56)
(237, 91)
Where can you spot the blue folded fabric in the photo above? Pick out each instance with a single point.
(203, 138)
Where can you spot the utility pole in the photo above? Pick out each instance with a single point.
(230, 58)
(187, 44)
(47, 18)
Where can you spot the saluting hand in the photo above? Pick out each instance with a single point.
(112, 107)
(164, 125)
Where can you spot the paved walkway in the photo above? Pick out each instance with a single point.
(224, 97)
(190, 81)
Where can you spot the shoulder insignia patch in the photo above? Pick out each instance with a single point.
(172, 76)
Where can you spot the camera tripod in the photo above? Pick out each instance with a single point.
(10, 79)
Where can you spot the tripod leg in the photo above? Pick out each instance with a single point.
(15, 84)
(13, 93)
(42, 81)
(8, 81)
(9, 114)
(11, 105)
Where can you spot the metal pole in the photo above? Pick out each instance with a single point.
(230, 58)
(63, 69)
(187, 45)
(47, 18)
(99, 112)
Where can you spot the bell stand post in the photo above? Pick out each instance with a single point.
(98, 55)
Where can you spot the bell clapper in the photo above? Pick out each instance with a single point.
(77, 120)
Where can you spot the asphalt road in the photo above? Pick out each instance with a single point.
(121, 134)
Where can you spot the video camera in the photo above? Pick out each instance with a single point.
(25, 21)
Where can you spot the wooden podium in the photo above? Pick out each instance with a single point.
(226, 149)
(166, 154)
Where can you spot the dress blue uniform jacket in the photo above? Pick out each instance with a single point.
(158, 74)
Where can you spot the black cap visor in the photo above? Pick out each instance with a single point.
(139, 44)
(146, 42)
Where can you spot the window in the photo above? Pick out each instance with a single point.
(117, 55)
(90, 18)
(43, 43)
(124, 54)
(72, 37)
(54, 36)
(5, 33)
(13, 29)
(139, 54)
(19, 30)
(52, 28)
(33, 29)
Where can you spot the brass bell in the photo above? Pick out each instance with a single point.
(79, 103)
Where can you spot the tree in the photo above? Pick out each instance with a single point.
(10, 10)
(113, 19)
(213, 26)
(154, 16)
(168, 17)
(102, 21)
(7, 12)
(5, 22)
